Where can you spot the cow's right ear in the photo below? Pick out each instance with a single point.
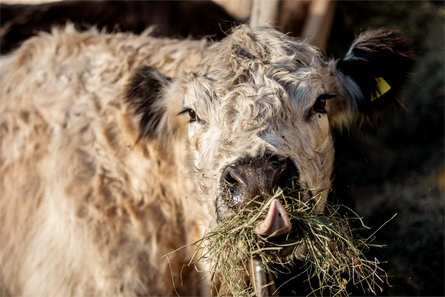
(144, 95)
(374, 70)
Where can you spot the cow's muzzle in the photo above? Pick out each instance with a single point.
(251, 180)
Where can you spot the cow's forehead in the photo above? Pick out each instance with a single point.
(248, 48)
(258, 59)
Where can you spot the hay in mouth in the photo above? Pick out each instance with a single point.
(325, 242)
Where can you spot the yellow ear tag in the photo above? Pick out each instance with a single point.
(382, 88)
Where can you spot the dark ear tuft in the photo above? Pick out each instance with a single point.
(378, 60)
(144, 93)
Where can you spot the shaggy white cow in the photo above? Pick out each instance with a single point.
(113, 148)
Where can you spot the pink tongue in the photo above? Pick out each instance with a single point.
(276, 222)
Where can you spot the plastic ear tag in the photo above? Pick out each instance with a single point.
(382, 88)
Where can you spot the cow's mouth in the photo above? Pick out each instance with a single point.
(249, 251)
(262, 231)
(271, 226)
(276, 223)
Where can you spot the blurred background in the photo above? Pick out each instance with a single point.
(396, 166)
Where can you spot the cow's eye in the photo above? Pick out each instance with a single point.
(320, 103)
(191, 113)
(320, 106)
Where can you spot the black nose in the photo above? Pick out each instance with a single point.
(251, 178)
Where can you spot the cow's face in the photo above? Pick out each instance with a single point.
(252, 132)
(257, 114)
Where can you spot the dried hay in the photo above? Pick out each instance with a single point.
(325, 242)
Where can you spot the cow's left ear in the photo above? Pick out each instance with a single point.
(374, 70)
(145, 96)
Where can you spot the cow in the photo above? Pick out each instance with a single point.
(114, 147)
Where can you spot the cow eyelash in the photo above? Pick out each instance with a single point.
(191, 113)
(320, 103)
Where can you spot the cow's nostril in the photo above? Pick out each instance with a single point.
(233, 186)
(289, 178)
(277, 161)
(228, 177)
(235, 177)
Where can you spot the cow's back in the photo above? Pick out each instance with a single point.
(85, 209)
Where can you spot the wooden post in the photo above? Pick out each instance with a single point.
(318, 22)
(240, 9)
(292, 16)
(264, 13)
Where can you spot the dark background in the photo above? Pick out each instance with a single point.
(396, 166)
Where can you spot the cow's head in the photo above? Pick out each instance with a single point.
(257, 113)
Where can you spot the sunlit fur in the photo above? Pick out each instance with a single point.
(89, 209)
(84, 209)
